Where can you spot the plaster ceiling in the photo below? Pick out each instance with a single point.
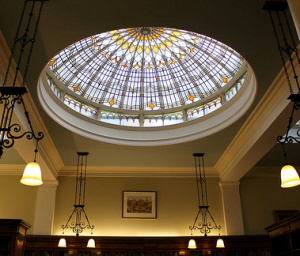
(242, 25)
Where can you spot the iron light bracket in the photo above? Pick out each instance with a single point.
(207, 221)
(79, 225)
(12, 94)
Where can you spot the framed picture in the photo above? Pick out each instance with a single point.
(139, 204)
(280, 215)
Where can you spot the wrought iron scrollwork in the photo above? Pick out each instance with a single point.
(287, 138)
(11, 95)
(287, 48)
(78, 226)
(9, 132)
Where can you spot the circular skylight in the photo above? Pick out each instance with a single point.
(147, 68)
(146, 76)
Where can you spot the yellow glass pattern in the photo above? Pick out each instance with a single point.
(145, 68)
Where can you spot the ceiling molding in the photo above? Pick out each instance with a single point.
(266, 171)
(47, 149)
(148, 136)
(258, 134)
(141, 172)
(12, 169)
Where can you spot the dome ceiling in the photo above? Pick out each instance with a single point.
(146, 68)
(147, 77)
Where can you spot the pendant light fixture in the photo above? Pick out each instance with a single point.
(13, 90)
(204, 225)
(220, 243)
(91, 243)
(62, 243)
(32, 175)
(289, 177)
(287, 48)
(192, 244)
(78, 219)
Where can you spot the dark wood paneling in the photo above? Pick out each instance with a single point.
(149, 246)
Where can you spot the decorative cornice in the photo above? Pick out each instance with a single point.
(49, 184)
(11, 169)
(141, 172)
(272, 104)
(266, 172)
(148, 136)
(229, 184)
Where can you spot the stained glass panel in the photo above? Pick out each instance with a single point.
(146, 68)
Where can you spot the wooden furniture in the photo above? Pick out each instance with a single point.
(12, 237)
(285, 236)
(148, 246)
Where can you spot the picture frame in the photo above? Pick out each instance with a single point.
(139, 205)
(280, 215)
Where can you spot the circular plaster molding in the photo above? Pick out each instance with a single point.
(148, 136)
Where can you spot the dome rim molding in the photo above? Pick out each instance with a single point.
(201, 127)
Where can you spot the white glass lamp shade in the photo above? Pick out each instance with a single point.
(32, 175)
(62, 243)
(91, 243)
(192, 244)
(220, 243)
(289, 177)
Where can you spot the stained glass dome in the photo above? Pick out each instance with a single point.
(147, 86)
(145, 68)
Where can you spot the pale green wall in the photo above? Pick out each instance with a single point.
(260, 197)
(17, 201)
(176, 205)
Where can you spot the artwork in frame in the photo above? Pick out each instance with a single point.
(139, 204)
(280, 215)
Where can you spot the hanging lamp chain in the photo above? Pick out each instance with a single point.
(12, 95)
(81, 219)
(287, 48)
(204, 225)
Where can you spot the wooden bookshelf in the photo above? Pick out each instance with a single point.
(148, 246)
(12, 237)
(285, 236)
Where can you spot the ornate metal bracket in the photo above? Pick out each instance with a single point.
(12, 94)
(78, 226)
(204, 226)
